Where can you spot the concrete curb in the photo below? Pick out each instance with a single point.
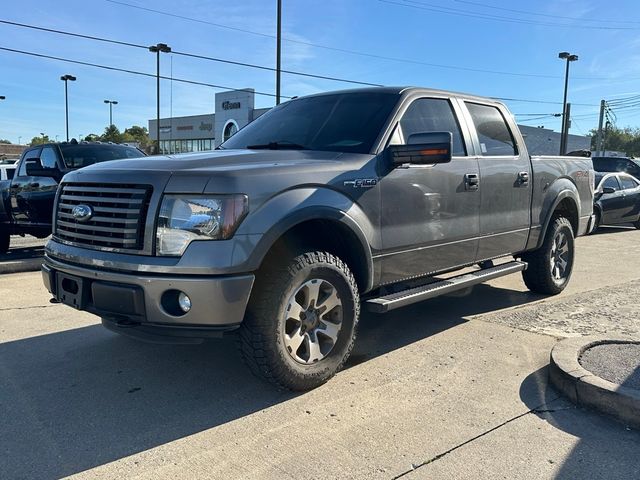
(586, 389)
(24, 265)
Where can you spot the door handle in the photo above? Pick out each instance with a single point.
(471, 181)
(523, 178)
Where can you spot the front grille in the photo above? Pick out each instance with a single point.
(119, 214)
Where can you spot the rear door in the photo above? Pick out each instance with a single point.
(505, 181)
(631, 190)
(429, 213)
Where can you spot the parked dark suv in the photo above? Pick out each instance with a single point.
(616, 164)
(27, 199)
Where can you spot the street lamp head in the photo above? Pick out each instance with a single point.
(160, 47)
(68, 77)
(115, 102)
(564, 55)
(573, 58)
(2, 97)
(106, 101)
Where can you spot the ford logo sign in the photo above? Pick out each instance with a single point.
(82, 213)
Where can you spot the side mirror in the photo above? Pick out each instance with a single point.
(35, 169)
(423, 148)
(608, 190)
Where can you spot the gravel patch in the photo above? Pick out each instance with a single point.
(609, 310)
(616, 362)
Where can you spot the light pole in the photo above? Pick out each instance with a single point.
(565, 121)
(111, 104)
(278, 50)
(57, 137)
(19, 140)
(66, 79)
(157, 49)
(41, 133)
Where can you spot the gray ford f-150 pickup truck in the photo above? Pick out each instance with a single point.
(323, 204)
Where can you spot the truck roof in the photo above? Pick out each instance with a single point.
(407, 89)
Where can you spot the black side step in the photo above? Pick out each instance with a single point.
(442, 287)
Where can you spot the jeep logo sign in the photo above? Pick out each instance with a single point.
(230, 105)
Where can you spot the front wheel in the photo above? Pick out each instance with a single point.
(549, 267)
(301, 321)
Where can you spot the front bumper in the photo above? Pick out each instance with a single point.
(144, 305)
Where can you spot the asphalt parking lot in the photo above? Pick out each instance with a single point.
(455, 387)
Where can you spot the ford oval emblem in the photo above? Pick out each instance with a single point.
(82, 213)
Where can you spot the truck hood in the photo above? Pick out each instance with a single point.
(219, 161)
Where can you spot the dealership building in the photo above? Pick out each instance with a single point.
(235, 109)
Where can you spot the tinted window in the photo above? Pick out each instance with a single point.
(35, 153)
(334, 122)
(78, 156)
(493, 133)
(432, 115)
(10, 173)
(48, 158)
(611, 182)
(628, 183)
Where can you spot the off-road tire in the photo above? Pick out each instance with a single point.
(538, 276)
(260, 336)
(5, 240)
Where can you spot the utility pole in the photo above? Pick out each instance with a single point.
(278, 51)
(157, 49)
(599, 138)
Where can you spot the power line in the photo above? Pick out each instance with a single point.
(347, 51)
(527, 12)
(465, 13)
(506, 99)
(204, 57)
(133, 72)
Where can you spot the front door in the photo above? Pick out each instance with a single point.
(42, 190)
(20, 187)
(505, 184)
(612, 203)
(429, 213)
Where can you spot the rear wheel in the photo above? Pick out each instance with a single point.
(301, 321)
(5, 240)
(549, 268)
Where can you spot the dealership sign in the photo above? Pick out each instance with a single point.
(230, 105)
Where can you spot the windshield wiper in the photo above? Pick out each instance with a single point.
(281, 145)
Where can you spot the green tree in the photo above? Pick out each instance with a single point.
(92, 137)
(39, 140)
(137, 134)
(111, 134)
(619, 139)
(2, 140)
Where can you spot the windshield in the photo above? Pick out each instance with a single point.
(78, 156)
(348, 122)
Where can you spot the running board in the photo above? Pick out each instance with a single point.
(441, 287)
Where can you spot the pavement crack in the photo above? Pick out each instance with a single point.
(26, 308)
(535, 410)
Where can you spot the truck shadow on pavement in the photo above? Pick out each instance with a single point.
(604, 448)
(80, 398)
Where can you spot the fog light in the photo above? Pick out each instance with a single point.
(184, 301)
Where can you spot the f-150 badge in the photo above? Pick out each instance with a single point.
(361, 183)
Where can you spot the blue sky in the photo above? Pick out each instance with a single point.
(440, 44)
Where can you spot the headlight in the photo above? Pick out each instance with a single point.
(183, 219)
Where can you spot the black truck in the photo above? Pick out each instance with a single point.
(27, 198)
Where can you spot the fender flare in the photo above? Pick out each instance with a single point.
(564, 194)
(318, 212)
